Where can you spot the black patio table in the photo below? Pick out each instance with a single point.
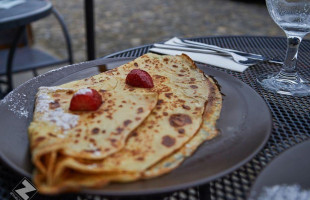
(19, 17)
(290, 118)
(27, 58)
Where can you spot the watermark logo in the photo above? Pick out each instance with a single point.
(24, 190)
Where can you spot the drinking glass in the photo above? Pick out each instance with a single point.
(293, 17)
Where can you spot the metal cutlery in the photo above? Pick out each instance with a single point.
(181, 48)
(238, 56)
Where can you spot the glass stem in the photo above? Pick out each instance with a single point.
(293, 43)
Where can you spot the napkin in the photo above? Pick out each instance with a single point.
(215, 60)
(6, 4)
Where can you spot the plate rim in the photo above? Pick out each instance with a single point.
(252, 193)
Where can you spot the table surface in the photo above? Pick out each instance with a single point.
(291, 118)
(24, 13)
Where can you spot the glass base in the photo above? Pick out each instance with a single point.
(282, 83)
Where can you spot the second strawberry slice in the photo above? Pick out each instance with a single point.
(139, 78)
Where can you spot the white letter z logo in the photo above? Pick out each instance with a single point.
(22, 191)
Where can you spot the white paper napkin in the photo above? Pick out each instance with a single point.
(215, 60)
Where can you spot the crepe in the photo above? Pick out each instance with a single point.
(187, 108)
(206, 132)
(88, 135)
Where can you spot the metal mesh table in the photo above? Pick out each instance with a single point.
(291, 120)
(291, 115)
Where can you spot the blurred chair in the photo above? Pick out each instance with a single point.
(27, 58)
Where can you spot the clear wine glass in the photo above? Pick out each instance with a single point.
(293, 16)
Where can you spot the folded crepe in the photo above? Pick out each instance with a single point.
(187, 106)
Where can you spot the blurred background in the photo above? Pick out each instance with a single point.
(122, 24)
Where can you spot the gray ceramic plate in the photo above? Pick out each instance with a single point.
(289, 170)
(245, 126)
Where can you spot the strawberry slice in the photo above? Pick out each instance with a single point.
(85, 100)
(139, 78)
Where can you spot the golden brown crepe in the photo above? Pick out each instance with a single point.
(88, 135)
(187, 108)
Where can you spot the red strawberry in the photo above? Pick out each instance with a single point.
(85, 100)
(139, 78)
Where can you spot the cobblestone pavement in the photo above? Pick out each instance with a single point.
(121, 24)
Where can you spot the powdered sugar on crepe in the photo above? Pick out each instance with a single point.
(83, 91)
(61, 119)
(58, 115)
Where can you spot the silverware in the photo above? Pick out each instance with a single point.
(177, 47)
(238, 56)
